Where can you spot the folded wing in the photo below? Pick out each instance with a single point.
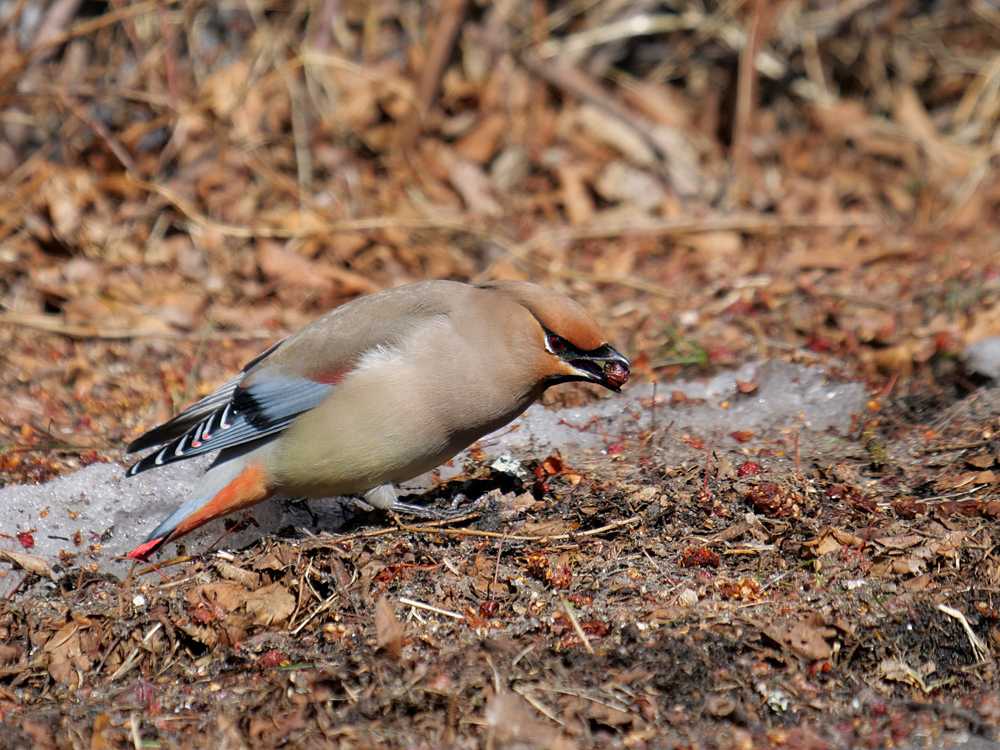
(231, 416)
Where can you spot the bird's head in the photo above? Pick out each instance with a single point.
(573, 348)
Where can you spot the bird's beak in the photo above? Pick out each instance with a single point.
(602, 365)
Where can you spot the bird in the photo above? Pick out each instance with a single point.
(375, 392)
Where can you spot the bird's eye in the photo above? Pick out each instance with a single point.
(556, 344)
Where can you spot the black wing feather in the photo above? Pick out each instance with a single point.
(248, 414)
(194, 414)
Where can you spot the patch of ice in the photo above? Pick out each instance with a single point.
(983, 357)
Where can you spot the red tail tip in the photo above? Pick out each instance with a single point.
(145, 549)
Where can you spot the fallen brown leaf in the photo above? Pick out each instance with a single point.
(66, 659)
(30, 563)
(270, 605)
(805, 637)
(512, 719)
(388, 630)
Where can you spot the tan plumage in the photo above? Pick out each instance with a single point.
(376, 392)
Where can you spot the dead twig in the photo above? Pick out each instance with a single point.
(952, 447)
(574, 81)
(575, 623)
(431, 608)
(979, 647)
(49, 324)
(449, 21)
(515, 537)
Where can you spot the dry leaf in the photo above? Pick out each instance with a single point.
(513, 720)
(177, 307)
(30, 563)
(620, 182)
(727, 246)
(246, 578)
(103, 733)
(662, 102)
(204, 634)
(576, 199)
(984, 461)
(10, 654)
(479, 145)
(843, 119)
(288, 268)
(605, 128)
(472, 183)
(66, 657)
(805, 637)
(276, 559)
(549, 528)
(826, 544)
(269, 605)
(40, 735)
(912, 115)
(903, 541)
(219, 598)
(920, 583)
(388, 630)
(962, 480)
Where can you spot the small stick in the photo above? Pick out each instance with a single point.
(431, 608)
(445, 34)
(496, 567)
(708, 457)
(980, 649)
(575, 623)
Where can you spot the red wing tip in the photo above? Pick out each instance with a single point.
(145, 549)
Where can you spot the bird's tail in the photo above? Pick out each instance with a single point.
(226, 487)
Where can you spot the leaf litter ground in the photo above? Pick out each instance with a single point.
(663, 595)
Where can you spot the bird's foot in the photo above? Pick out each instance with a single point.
(384, 497)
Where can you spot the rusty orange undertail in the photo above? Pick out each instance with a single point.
(246, 490)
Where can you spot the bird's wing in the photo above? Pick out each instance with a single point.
(251, 413)
(195, 413)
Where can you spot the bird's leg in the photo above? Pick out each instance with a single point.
(384, 497)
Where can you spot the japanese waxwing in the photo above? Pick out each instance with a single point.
(376, 392)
